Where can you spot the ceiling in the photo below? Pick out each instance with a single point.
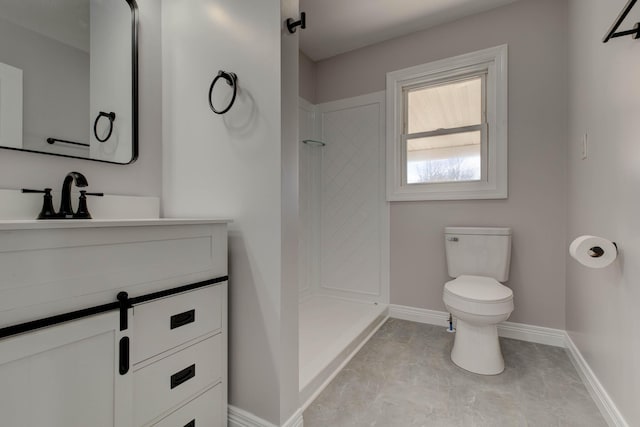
(66, 21)
(338, 26)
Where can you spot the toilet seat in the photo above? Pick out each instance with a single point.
(478, 289)
(478, 295)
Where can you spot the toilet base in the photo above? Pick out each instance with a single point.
(476, 348)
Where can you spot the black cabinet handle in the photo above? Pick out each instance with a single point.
(183, 376)
(124, 355)
(191, 423)
(181, 319)
(123, 304)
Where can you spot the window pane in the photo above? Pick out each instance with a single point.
(444, 158)
(445, 106)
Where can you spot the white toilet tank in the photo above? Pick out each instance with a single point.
(478, 251)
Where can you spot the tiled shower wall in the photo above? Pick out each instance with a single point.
(343, 212)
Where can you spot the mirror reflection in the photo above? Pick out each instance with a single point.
(68, 77)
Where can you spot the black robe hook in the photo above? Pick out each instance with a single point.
(302, 23)
(635, 31)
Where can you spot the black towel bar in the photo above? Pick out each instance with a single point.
(54, 140)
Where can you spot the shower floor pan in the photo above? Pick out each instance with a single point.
(331, 331)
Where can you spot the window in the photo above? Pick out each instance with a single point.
(447, 129)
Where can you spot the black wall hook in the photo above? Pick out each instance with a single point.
(302, 23)
(635, 32)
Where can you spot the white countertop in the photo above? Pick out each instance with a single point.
(95, 223)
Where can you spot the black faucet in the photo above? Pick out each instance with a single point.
(66, 211)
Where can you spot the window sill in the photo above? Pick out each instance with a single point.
(448, 191)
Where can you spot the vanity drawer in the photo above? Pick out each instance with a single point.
(203, 411)
(166, 323)
(168, 382)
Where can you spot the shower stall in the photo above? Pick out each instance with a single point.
(343, 234)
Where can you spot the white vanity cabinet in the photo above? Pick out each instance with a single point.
(65, 375)
(179, 353)
(156, 357)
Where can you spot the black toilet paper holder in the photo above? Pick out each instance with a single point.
(597, 251)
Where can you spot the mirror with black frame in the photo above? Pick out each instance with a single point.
(68, 78)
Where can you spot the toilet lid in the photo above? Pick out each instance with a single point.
(478, 288)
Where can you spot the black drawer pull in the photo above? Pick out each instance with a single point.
(191, 423)
(185, 375)
(124, 355)
(182, 319)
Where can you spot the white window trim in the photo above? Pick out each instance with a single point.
(494, 60)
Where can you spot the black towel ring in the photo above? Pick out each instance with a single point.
(111, 116)
(232, 80)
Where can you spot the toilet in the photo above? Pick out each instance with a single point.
(478, 259)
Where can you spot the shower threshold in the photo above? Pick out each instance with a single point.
(331, 331)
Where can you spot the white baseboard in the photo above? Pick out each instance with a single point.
(518, 331)
(532, 333)
(295, 420)
(241, 418)
(609, 410)
(420, 315)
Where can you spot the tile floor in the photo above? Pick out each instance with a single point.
(404, 377)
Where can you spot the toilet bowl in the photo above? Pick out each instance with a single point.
(479, 304)
(478, 258)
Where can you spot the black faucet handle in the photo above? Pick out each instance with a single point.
(45, 191)
(47, 212)
(83, 210)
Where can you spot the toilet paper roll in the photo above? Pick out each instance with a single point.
(593, 251)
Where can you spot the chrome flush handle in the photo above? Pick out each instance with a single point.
(452, 239)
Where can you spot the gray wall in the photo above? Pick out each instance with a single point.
(55, 91)
(307, 71)
(602, 305)
(144, 177)
(289, 371)
(535, 31)
(242, 166)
